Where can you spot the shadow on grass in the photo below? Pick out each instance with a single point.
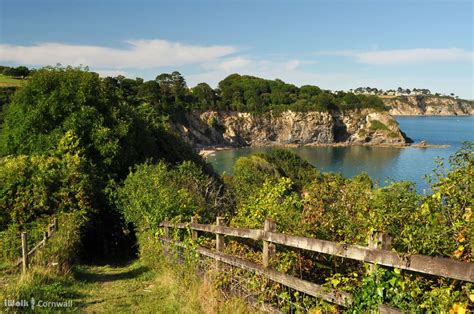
(111, 274)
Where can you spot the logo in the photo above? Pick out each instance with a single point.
(32, 303)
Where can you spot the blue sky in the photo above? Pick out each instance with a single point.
(332, 44)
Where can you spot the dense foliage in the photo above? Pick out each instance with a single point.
(19, 71)
(340, 209)
(114, 131)
(68, 139)
(154, 193)
(330, 207)
(35, 186)
(252, 94)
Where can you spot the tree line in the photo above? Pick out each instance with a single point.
(169, 93)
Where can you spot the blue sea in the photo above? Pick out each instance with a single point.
(383, 164)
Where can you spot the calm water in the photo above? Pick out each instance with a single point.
(381, 163)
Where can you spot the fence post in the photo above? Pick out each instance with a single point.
(194, 233)
(378, 240)
(45, 237)
(219, 241)
(24, 251)
(55, 224)
(50, 230)
(167, 237)
(268, 248)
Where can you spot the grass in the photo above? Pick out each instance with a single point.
(377, 125)
(131, 288)
(6, 81)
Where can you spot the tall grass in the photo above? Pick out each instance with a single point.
(49, 276)
(182, 288)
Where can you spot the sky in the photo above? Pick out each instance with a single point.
(336, 44)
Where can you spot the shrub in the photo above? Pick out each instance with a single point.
(153, 193)
(250, 173)
(377, 125)
(292, 166)
(35, 186)
(276, 200)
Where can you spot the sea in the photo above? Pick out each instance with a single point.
(383, 164)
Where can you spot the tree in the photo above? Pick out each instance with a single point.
(178, 87)
(309, 90)
(20, 71)
(205, 96)
(149, 92)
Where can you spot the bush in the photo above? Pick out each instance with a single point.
(377, 125)
(292, 166)
(153, 193)
(275, 200)
(250, 173)
(49, 276)
(36, 186)
(63, 249)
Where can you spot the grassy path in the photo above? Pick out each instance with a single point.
(130, 288)
(134, 288)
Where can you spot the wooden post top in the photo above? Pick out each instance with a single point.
(269, 225)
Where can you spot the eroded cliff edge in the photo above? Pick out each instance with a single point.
(237, 129)
(429, 105)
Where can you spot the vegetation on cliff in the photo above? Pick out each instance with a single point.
(169, 94)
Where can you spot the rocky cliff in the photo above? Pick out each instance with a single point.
(367, 126)
(429, 105)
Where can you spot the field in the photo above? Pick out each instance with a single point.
(6, 81)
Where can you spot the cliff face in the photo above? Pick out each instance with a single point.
(421, 105)
(210, 128)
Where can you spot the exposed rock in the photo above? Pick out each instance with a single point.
(237, 129)
(429, 105)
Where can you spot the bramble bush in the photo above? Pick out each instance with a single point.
(153, 193)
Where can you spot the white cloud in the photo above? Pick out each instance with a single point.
(290, 71)
(137, 54)
(231, 65)
(406, 56)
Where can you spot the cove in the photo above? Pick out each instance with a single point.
(383, 164)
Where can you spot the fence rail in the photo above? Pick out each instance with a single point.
(25, 253)
(437, 266)
(377, 252)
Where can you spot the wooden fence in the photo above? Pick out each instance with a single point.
(377, 252)
(26, 253)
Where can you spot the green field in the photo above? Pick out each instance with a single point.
(10, 81)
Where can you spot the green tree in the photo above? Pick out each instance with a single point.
(205, 96)
(149, 92)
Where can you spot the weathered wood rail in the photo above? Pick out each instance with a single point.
(378, 253)
(25, 253)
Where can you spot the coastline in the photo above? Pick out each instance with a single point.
(432, 115)
(210, 150)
